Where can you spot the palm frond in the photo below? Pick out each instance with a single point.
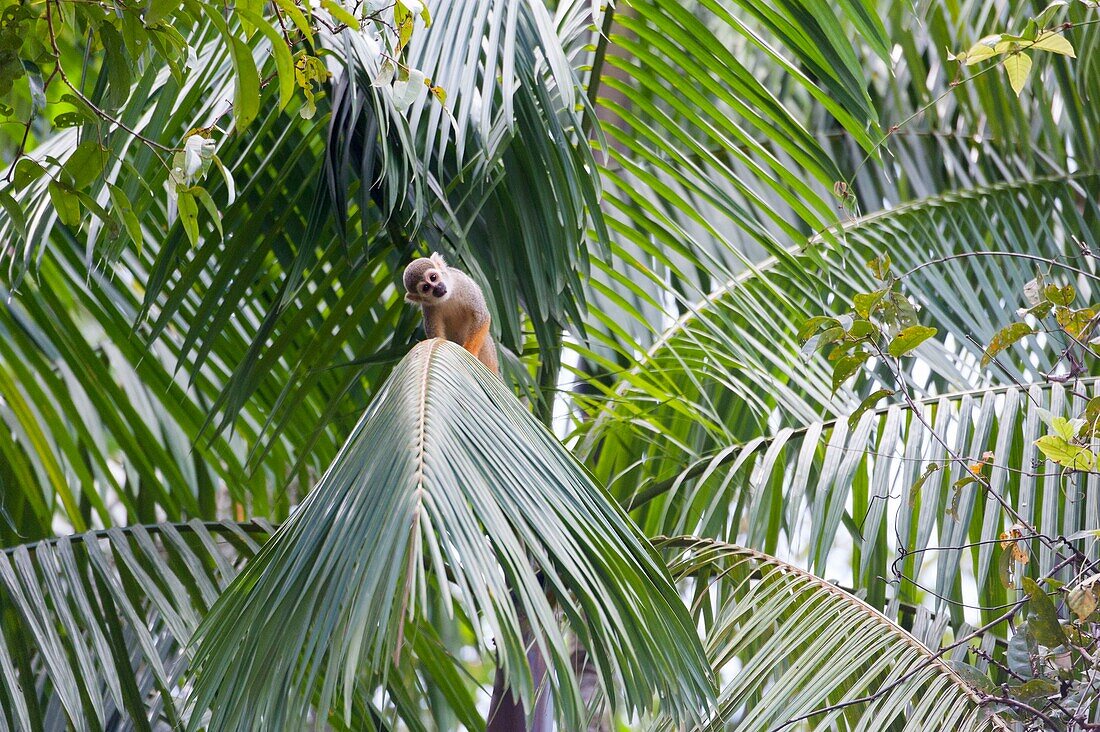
(449, 491)
(792, 646)
(911, 538)
(698, 388)
(94, 626)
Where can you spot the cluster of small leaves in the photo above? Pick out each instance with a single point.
(1046, 301)
(1047, 665)
(1011, 50)
(14, 23)
(36, 42)
(883, 323)
(1067, 444)
(407, 83)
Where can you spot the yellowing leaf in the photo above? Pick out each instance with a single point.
(1066, 454)
(1076, 323)
(340, 14)
(1082, 602)
(1005, 337)
(1018, 66)
(1060, 295)
(1067, 429)
(978, 52)
(1010, 542)
(1055, 43)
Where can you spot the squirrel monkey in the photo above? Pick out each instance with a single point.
(453, 306)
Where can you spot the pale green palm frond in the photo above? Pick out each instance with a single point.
(791, 646)
(817, 491)
(698, 389)
(95, 626)
(96, 630)
(448, 491)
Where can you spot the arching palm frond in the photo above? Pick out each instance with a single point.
(448, 491)
(791, 646)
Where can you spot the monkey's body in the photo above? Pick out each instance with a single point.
(453, 307)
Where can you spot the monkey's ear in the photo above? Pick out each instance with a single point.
(409, 298)
(438, 261)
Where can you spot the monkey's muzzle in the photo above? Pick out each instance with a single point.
(439, 290)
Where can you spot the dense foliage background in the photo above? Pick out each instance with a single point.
(671, 207)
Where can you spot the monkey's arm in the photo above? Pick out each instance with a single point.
(481, 345)
(433, 323)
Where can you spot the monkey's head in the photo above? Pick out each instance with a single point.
(427, 281)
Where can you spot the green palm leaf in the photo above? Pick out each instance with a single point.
(448, 490)
(789, 645)
(93, 626)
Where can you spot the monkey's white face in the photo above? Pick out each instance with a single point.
(433, 288)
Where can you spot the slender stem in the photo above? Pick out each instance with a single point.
(94, 107)
(1013, 255)
(600, 54)
(250, 527)
(931, 660)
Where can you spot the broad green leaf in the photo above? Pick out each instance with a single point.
(66, 203)
(340, 13)
(120, 204)
(86, 163)
(284, 63)
(845, 367)
(158, 10)
(203, 197)
(14, 212)
(117, 64)
(1047, 14)
(26, 172)
(910, 338)
(812, 325)
(868, 403)
(973, 676)
(294, 12)
(1017, 66)
(246, 91)
(1022, 648)
(1034, 690)
(1043, 617)
(188, 214)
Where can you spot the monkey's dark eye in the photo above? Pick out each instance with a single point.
(431, 277)
(425, 287)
